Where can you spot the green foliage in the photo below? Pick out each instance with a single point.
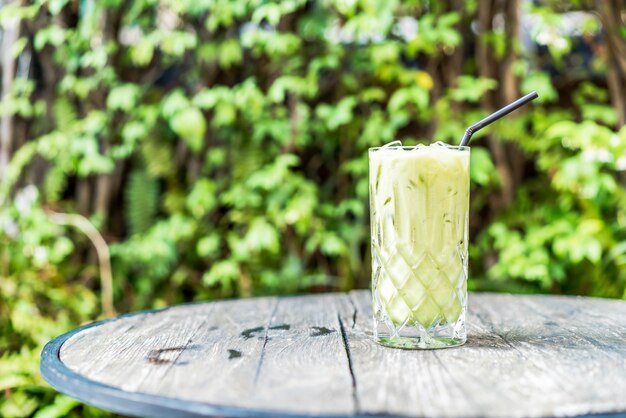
(574, 242)
(141, 201)
(221, 147)
(37, 305)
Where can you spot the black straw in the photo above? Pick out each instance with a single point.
(495, 116)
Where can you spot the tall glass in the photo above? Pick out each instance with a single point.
(419, 208)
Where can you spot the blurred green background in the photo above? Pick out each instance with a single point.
(154, 152)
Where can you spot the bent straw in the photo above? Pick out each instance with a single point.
(495, 116)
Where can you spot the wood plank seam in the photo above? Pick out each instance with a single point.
(350, 368)
(266, 338)
(354, 313)
(526, 357)
(344, 336)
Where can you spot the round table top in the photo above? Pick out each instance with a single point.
(526, 356)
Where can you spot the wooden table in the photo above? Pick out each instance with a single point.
(313, 355)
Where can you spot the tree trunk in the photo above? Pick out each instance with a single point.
(83, 196)
(9, 37)
(484, 56)
(509, 82)
(452, 63)
(610, 15)
(109, 25)
(510, 92)
(103, 189)
(488, 67)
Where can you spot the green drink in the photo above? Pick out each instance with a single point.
(419, 205)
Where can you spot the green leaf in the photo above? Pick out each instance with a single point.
(262, 236)
(175, 102)
(269, 12)
(230, 53)
(225, 114)
(540, 82)
(175, 43)
(134, 131)
(332, 246)
(9, 12)
(482, 170)
(448, 19)
(94, 163)
(56, 6)
(471, 89)
(53, 35)
(123, 97)
(338, 115)
(18, 405)
(202, 198)
(287, 84)
(190, 125)
(601, 113)
(142, 52)
(208, 246)
(61, 407)
(223, 272)
(208, 98)
(18, 47)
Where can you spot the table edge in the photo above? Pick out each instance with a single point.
(104, 396)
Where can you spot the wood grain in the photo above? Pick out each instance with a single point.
(220, 366)
(124, 353)
(526, 356)
(305, 360)
(397, 382)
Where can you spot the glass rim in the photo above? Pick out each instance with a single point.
(416, 148)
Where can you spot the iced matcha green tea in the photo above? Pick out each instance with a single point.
(419, 205)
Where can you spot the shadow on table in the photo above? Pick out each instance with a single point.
(548, 336)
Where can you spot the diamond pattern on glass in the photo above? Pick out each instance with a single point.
(418, 290)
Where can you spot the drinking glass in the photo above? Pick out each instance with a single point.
(419, 208)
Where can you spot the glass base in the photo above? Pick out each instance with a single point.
(419, 343)
(415, 337)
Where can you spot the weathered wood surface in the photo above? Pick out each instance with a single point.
(526, 356)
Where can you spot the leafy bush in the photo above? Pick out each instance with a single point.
(220, 147)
